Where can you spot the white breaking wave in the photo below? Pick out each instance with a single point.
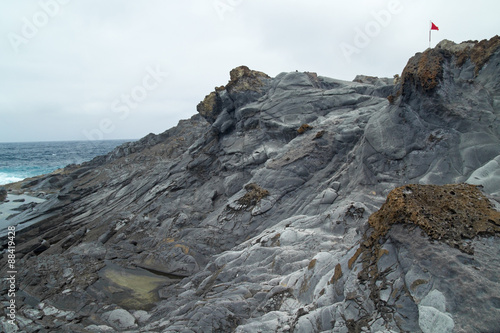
(6, 178)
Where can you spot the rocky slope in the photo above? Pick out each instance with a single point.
(261, 213)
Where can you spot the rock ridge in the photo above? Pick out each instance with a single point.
(424, 71)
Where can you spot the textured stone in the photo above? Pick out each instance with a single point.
(424, 70)
(99, 328)
(436, 299)
(141, 316)
(488, 176)
(448, 213)
(432, 320)
(119, 319)
(328, 196)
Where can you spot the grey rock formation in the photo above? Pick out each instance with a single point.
(234, 220)
(3, 194)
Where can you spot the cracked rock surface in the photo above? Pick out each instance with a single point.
(271, 210)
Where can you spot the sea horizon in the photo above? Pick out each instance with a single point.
(70, 140)
(21, 160)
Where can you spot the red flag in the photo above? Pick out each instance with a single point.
(434, 27)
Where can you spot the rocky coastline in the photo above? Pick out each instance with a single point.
(298, 203)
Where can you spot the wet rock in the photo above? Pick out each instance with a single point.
(26, 206)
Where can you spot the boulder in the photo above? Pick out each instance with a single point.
(120, 319)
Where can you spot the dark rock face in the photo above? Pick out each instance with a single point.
(3, 194)
(244, 219)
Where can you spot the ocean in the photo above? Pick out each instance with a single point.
(28, 159)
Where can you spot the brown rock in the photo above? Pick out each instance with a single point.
(304, 128)
(254, 194)
(448, 213)
(241, 79)
(424, 70)
(479, 53)
(207, 106)
(337, 274)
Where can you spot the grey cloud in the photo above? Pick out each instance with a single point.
(64, 79)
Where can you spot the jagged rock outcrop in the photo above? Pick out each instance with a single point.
(261, 213)
(244, 86)
(3, 194)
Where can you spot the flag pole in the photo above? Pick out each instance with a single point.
(430, 29)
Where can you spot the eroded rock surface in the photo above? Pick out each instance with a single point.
(244, 219)
(453, 214)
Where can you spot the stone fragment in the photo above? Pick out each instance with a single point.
(120, 319)
(436, 299)
(431, 320)
(328, 196)
(99, 328)
(141, 316)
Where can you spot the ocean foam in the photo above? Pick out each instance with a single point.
(6, 178)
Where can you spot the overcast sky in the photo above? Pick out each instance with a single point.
(120, 69)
